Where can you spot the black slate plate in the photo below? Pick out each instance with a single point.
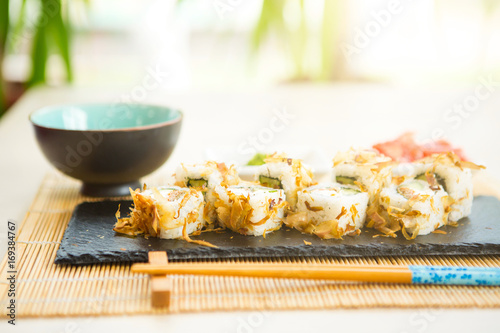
(89, 239)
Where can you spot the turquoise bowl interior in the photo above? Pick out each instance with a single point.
(104, 117)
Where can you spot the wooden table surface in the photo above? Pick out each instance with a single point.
(332, 117)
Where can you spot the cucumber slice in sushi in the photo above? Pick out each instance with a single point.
(289, 174)
(270, 182)
(200, 182)
(345, 180)
(206, 176)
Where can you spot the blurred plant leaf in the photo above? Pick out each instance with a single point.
(17, 30)
(271, 17)
(296, 39)
(39, 57)
(51, 32)
(329, 37)
(4, 28)
(298, 44)
(60, 31)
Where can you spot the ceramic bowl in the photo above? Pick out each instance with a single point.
(109, 147)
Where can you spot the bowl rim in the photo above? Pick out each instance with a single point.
(135, 128)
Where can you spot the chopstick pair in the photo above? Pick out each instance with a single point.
(442, 275)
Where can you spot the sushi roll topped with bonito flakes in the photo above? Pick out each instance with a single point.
(425, 195)
(449, 172)
(330, 210)
(164, 212)
(206, 177)
(364, 167)
(250, 209)
(414, 207)
(288, 174)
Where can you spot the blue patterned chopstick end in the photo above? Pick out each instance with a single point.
(471, 276)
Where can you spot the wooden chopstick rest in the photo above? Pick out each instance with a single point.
(161, 285)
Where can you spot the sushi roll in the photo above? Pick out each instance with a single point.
(206, 177)
(365, 167)
(448, 172)
(330, 210)
(414, 206)
(280, 172)
(368, 169)
(250, 209)
(164, 212)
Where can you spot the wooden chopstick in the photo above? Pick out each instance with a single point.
(384, 274)
(326, 272)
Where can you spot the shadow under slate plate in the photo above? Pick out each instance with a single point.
(89, 239)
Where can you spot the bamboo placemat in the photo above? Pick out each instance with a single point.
(46, 289)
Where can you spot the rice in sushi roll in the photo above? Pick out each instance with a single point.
(413, 206)
(330, 210)
(206, 177)
(280, 172)
(164, 212)
(250, 209)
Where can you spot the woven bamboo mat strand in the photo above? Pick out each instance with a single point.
(44, 289)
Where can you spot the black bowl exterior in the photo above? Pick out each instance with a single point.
(109, 190)
(108, 157)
